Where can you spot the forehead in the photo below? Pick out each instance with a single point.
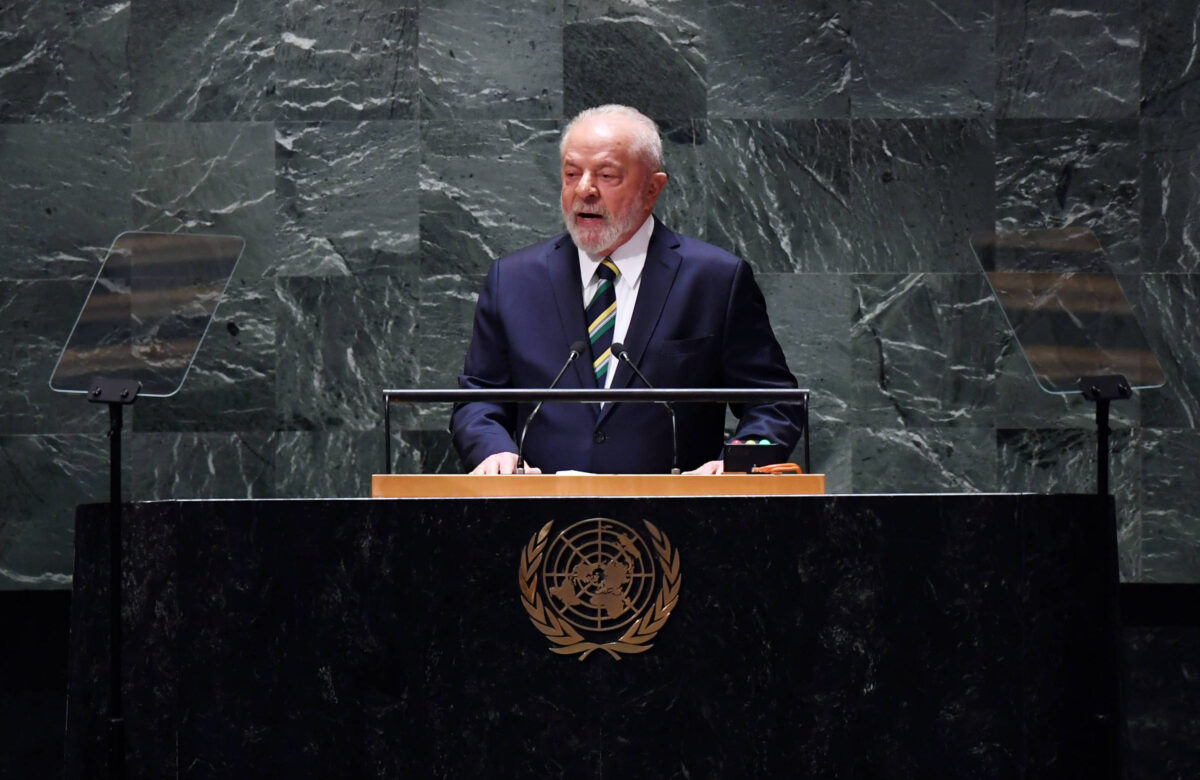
(601, 139)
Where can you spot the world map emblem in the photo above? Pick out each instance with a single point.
(599, 585)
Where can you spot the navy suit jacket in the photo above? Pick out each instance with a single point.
(699, 321)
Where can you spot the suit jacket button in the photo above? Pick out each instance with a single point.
(599, 437)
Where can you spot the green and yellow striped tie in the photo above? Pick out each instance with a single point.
(601, 316)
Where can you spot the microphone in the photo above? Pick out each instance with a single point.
(577, 349)
(622, 354)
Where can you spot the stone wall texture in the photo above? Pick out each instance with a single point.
(378, 156)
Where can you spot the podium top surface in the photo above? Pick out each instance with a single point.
(603, 485)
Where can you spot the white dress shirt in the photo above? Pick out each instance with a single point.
(630, 258)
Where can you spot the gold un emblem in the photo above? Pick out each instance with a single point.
(599, 586)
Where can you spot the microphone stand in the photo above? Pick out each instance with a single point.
(576, 350)
(622, 354)
(509, 395)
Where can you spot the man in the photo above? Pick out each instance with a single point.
(689, 314)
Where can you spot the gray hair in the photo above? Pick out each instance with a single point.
(646, 142)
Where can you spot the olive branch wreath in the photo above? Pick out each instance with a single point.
(635, 639)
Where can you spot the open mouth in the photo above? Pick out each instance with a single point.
(589, 218)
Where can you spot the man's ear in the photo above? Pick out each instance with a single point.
(655, 185)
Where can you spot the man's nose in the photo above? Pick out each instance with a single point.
(586, 187)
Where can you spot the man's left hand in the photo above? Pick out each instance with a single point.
(712, 467)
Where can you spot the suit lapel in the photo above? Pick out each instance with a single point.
(662, 264)
(562, 266)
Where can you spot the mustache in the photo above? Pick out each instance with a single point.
(581, 208)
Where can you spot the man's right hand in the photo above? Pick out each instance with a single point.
(502, 463)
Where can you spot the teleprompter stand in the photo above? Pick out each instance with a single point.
(117, 393)
(137, 335)
(1102, 390)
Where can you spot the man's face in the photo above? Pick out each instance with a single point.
(607, 189)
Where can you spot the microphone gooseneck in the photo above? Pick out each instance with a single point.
(622, 354)
(577, 349)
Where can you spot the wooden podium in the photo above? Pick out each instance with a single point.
(593, 485)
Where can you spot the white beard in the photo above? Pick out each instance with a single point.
(596, 241)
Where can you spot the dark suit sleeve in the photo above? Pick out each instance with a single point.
(480, 429)
(752, 357)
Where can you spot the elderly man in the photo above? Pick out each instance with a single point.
(689, 314)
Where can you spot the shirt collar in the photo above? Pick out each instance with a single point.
(630, 257)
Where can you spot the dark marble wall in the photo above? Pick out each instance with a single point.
(1162, 703)
(377, 156)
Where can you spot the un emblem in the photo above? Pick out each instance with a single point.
(599, 586)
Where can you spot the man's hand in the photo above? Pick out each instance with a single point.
(502, 463)
(712, 467)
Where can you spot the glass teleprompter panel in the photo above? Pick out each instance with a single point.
(148, 311)
(1066, 308)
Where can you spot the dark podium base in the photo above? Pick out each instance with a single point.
(855, 636)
